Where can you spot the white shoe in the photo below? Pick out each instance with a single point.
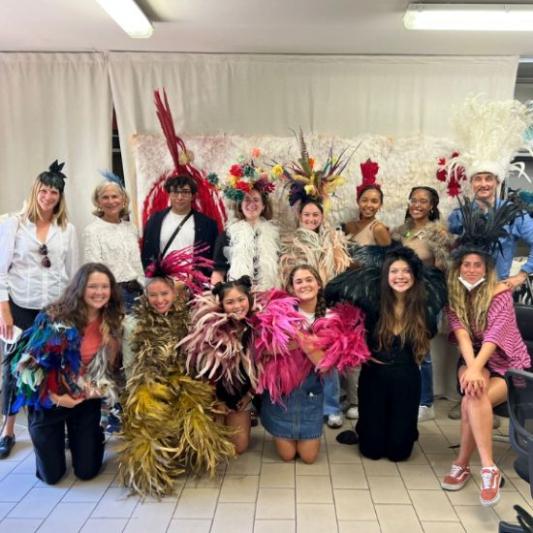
(335, 421)
(425, 413)
(352, 413)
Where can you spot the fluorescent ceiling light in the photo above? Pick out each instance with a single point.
(469, 17)
(128, 15)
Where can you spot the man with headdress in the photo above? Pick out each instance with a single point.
(486, 155)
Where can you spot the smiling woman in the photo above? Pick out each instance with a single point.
(113, 240)
(38, 256)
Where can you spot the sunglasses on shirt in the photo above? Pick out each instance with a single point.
(45, 261)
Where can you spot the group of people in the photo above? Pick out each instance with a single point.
(193, 329)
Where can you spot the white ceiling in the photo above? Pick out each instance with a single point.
(244, 26)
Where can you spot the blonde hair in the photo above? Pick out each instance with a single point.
(472, 307)
(32, 212)
(99, 190)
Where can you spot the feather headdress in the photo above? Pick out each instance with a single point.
(207, 199)
(304, 181)
(53, 177)
(243, 177)
(488, 135)
(483, 229)
(184, 266)
(369, 171)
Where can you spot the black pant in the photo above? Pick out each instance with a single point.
(23, 318)
(388, 410)
(86, 440)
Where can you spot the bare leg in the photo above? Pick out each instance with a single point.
(308, 450)
(286, 448)
(9, 428)
(468, 443)
(480, 415)
(240, 421)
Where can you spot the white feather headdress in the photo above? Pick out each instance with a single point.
(489, 134)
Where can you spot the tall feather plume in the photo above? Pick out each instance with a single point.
(207, 200)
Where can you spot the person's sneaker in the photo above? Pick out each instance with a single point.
(425, 413)
(6, 445)
(456, 478)
(335, 421)
(352, 413)
(455, 412)
(490, 486)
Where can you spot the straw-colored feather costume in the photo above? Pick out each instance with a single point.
(168, 421)
(325, 250)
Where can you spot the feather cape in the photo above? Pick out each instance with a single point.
(48, 359)
(325, 251)
(214, 348)
(168, 419)
(245, 242)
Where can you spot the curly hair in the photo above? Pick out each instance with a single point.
(472, 307)
(72, 309)
(321, 308)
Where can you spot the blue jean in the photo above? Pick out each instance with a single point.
(426, 374)
(332, 393)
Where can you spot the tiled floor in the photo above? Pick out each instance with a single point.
(257, 492)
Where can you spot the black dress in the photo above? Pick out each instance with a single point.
(389, 394)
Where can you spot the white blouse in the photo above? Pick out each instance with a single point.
(116, 246)
(23, 278)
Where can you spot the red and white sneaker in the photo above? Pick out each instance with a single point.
(491, 479)
(456, 478)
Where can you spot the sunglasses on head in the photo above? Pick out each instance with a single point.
(45, 261)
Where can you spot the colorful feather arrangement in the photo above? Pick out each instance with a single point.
(168, 421)
(214, 347)
(281, 364)
(342, 337)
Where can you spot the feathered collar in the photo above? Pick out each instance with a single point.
(156, 336)
(48, 359)
(253, 251)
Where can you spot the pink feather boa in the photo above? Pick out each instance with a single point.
(214, 345)
(280, 368)
(342, 336)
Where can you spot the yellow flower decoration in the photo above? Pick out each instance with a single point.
(277, 171)
(310, 190)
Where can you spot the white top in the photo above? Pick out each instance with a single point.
(183, 239)
(22, 276)
(116, 246)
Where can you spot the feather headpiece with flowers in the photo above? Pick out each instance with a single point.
(369, 171)
(186, 266)
(489, 134)
(304, 181)
(243, 177)
(207, 199)
(483, 228)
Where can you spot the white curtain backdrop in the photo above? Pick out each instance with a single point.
(54, 106)
(268, 95)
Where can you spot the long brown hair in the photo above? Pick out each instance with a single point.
(321, 308)
(71, 308)
(472, 308)
(413, 320)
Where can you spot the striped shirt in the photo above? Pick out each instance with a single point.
(502, 330)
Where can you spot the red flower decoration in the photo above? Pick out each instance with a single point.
(243, 186)
(454, 187)
(369, 170)
(263, 185)
(442, 174)
(236, 170)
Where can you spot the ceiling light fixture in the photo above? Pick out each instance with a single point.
(128, 15)
(469, 17)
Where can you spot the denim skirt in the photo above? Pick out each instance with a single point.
(300, 415)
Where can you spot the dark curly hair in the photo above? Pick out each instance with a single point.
(177, 182)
